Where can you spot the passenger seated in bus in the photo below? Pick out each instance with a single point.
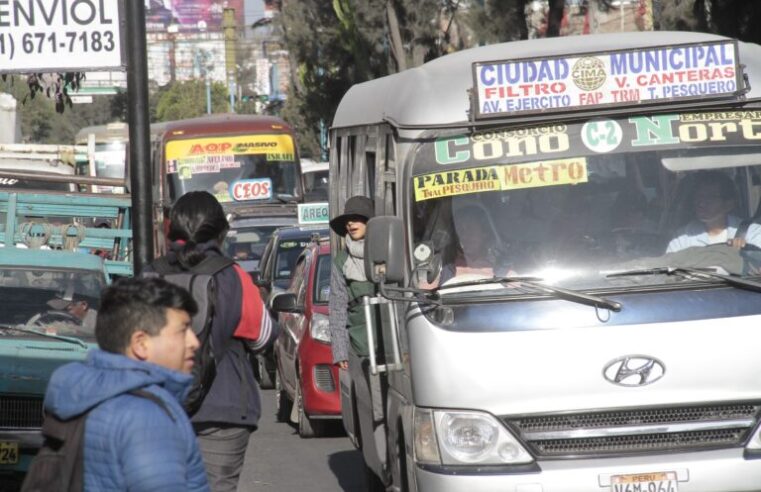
(477, 246)
(632, 231)
(713, 200)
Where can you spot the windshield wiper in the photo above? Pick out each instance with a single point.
(23, 329)
(738, 282)
(560, 293)
(284, 198)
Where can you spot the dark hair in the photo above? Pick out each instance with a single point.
(132, 304)
(196, 218)
(717, 178)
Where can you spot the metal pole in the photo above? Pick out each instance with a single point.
(232, 95)
(208, 93)
(139, 137)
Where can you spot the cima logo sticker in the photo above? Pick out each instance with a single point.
(588, 73)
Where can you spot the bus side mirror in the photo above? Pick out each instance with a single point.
(384, 249)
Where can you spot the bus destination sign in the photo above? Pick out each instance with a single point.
(72, 35)
(608, 79)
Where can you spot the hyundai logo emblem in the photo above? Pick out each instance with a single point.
(634, 370)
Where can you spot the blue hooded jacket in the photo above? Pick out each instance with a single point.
(131, 443)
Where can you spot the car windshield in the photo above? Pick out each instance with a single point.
(322, 280)
(247, 243)
(62, 302)
(571, 204)
(288, 251)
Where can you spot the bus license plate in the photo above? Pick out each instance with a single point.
(8, 453)
(645, 482)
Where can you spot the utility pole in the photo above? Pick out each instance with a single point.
(202, 59)
(172, 30)
(139, 137)
(228, 24)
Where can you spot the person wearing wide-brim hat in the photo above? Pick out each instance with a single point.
(357, 207)
(349, 282)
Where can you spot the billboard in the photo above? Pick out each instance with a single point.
(190, 15)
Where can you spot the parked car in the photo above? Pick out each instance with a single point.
(306, 380)
(275, 270)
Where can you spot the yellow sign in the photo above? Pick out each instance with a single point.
(506, 177)
(456, 182)
(280, 145)
(544, 173)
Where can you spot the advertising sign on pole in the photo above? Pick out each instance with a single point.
(61, 36)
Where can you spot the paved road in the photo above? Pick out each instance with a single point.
(279, 460)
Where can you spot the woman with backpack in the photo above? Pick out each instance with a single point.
(225, 403)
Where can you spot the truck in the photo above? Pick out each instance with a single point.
(58, 248)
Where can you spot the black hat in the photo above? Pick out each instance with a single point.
(356, 206)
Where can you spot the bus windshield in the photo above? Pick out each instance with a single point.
(260, 167)
(571, 204)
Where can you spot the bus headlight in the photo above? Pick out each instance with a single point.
(465, 438)
(320, 328)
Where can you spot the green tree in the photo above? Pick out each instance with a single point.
(334, 45)
(498, 21)
(41, 123)
(182, 100)
(733, 18)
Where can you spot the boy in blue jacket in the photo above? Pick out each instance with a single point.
(146, 343)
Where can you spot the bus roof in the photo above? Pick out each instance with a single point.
(437, 93)
(221, 124)
(310, 166)
(111, 131)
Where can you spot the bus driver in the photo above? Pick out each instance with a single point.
(713, 199)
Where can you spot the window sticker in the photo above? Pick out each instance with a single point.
(505, 177)
(251, 189)
(203, 164)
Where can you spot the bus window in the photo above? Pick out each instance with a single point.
(106, 152)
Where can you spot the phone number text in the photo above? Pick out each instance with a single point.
(35, 43)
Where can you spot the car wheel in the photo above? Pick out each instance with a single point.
(283, 404)
(307, 427)
(266, 378)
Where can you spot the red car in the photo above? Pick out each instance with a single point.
(306, 381)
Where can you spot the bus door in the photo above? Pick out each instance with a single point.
(365, 164)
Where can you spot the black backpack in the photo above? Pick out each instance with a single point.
(199, 281)
(59, 464)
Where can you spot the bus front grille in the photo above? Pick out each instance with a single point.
(631, 431)
(20, 412)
